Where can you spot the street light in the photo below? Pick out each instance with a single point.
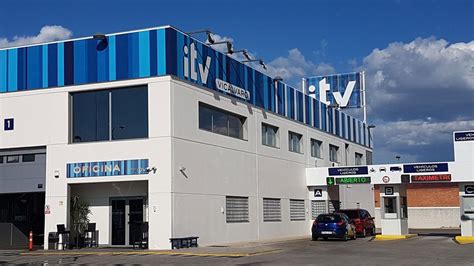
(398, 158)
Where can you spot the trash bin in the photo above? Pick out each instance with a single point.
(53, 239)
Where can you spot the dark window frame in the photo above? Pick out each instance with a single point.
(110, 111)
(276, 135)
(230, 117)
(291, 147)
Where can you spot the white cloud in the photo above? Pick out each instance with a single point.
(418, 94)
(295, 66)
(46, 34)
(415, 80)
(417, 140)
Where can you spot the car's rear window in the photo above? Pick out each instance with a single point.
(328, 218)
(352, 214)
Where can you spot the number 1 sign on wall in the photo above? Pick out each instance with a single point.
(8, 124)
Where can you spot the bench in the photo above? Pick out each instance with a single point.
(184, 242)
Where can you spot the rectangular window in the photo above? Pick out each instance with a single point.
(237, 209)
(269, 135)
(297, 210)
(13, 159)
(28, 158)
(1, 159)
(358, 159)
(110, 114)
(333, 153)
(317, 207)
(316, 146)
(221, 122)
(271, 210)
(368, 157)
(294, 142)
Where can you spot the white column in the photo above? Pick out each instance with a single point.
(467, 211)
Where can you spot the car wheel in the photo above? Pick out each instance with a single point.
(315, 238)
(354, 235)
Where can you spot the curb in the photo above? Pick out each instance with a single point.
(463, 240)
(393, 237)
(125, 253)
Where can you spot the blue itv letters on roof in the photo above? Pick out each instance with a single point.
(166, 51)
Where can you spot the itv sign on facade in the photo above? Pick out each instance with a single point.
(343, 90)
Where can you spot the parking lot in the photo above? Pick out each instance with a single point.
(426, 250)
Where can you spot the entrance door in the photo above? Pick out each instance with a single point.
(127, 217)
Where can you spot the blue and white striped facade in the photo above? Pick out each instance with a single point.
(159, 52)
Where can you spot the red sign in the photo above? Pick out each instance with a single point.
(430, 178)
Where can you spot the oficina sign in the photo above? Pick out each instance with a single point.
(107, 168)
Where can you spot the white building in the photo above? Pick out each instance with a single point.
(154, 126)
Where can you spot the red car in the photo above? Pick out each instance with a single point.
(362, 220)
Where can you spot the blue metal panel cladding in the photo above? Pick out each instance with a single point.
(158, 52)
(308, 110)
(299, 106)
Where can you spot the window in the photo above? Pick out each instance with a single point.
(316, 148)
(237, 209)
(358, 159)
(333, 153)
(110, 114)
(13, 159)
(1, 159)
(297, 210)
(269, 135)
(271, 210)
(368, 157)
(389, 207)
(28, 158)
(294, 142)
(317, 207)
(221, 122)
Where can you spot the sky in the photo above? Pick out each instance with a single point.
(418, 55)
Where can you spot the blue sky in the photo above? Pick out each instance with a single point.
(407, 47)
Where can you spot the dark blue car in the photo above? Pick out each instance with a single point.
(333, 225)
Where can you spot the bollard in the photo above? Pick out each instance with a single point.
(30, 241)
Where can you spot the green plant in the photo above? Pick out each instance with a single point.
(79, 215)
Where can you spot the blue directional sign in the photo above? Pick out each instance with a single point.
(338, 171)
(425, 168)
(464, 136)
(8, 124)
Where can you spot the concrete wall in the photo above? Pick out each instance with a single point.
(429, 218)
(218, 166)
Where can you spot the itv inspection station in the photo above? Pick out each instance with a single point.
(158, 135)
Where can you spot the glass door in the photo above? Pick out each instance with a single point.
(118, 221)
(135, 222)
(127, 219)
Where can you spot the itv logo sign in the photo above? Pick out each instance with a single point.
(342, 89)
(189, 64)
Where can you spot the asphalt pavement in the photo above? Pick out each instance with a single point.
(422, 250)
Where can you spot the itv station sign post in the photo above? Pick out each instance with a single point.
(341, 90)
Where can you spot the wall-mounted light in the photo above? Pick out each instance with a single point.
(56, 173)
(230, 49)
(210, 40)
(182, 170)
(260, 62)
(103, 43)
(244, 53)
